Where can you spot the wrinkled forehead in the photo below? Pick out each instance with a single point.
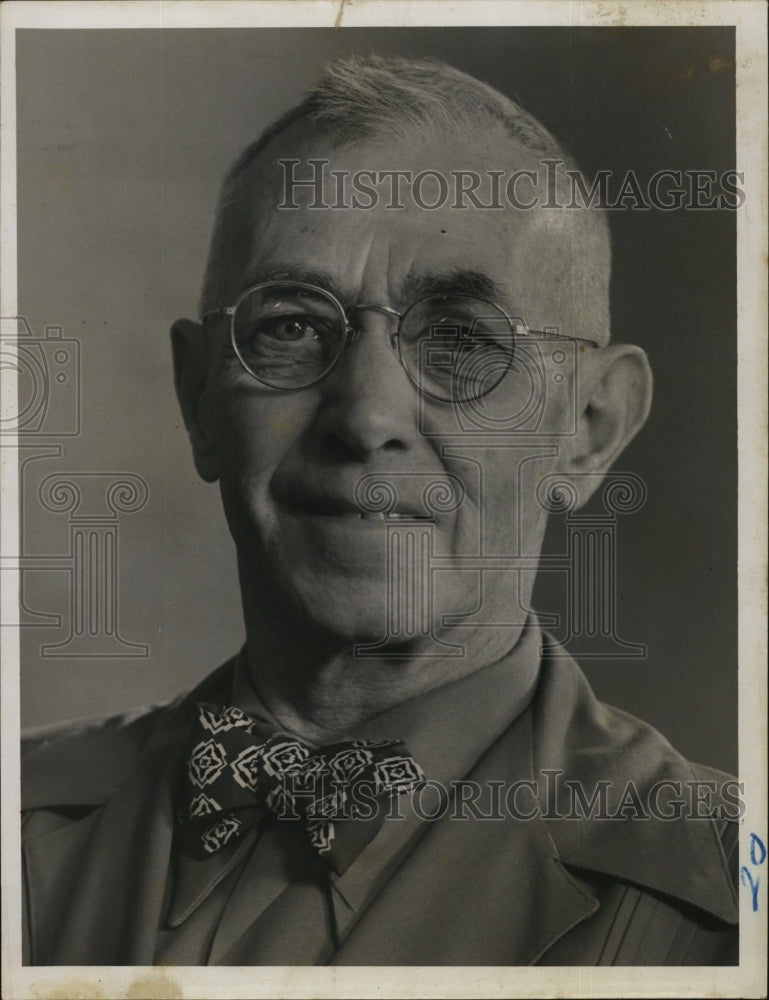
(380, 216)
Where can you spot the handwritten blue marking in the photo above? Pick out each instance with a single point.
(747, 880)
(757, 858)
(757, 850)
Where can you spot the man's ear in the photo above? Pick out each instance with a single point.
(191, 381)
(614, 402)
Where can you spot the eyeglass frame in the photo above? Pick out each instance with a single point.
(352, 333)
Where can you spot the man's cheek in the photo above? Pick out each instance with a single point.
(252, 438)
(244, 455)
(511, 510)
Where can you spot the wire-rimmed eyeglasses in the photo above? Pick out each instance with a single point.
(453, 347)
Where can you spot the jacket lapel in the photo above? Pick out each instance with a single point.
(652, 844)
(474, 892)
(102, 903)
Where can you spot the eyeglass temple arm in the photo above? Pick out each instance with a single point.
(223, 311)
(552, 335)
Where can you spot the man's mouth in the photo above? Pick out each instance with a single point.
(338, 508)
(374, 498)
(393, 515)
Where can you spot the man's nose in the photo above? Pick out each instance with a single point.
(370, 403)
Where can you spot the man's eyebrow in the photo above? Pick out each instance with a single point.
(280, 271)
(459, 281)
(456, 282)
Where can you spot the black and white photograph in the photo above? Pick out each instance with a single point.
(384, 499)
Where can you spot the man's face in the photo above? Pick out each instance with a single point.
(289, 462)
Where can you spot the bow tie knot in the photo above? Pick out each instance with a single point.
(233, 778)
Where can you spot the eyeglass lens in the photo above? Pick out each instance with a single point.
(288, 336)
(456, 347)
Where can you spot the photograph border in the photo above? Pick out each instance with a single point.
(748, 979)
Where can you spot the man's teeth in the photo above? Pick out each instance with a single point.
(380, 516)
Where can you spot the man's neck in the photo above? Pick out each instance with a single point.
(320, 690)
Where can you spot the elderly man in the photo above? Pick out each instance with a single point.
(397, 768)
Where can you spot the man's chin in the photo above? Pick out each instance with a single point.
(350, 623)
(340, 609)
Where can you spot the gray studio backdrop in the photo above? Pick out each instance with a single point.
(123, 137)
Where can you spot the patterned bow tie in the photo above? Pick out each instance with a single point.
(338, 792)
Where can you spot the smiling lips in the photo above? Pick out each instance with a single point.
(328, 506)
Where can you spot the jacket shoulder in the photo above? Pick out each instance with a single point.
(71, 729)
(80, 763)
(629, 806)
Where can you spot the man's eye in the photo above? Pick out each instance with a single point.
(289, 329)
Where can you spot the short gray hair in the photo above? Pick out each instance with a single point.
(372, 96)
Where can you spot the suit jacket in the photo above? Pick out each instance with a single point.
(97, 833)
